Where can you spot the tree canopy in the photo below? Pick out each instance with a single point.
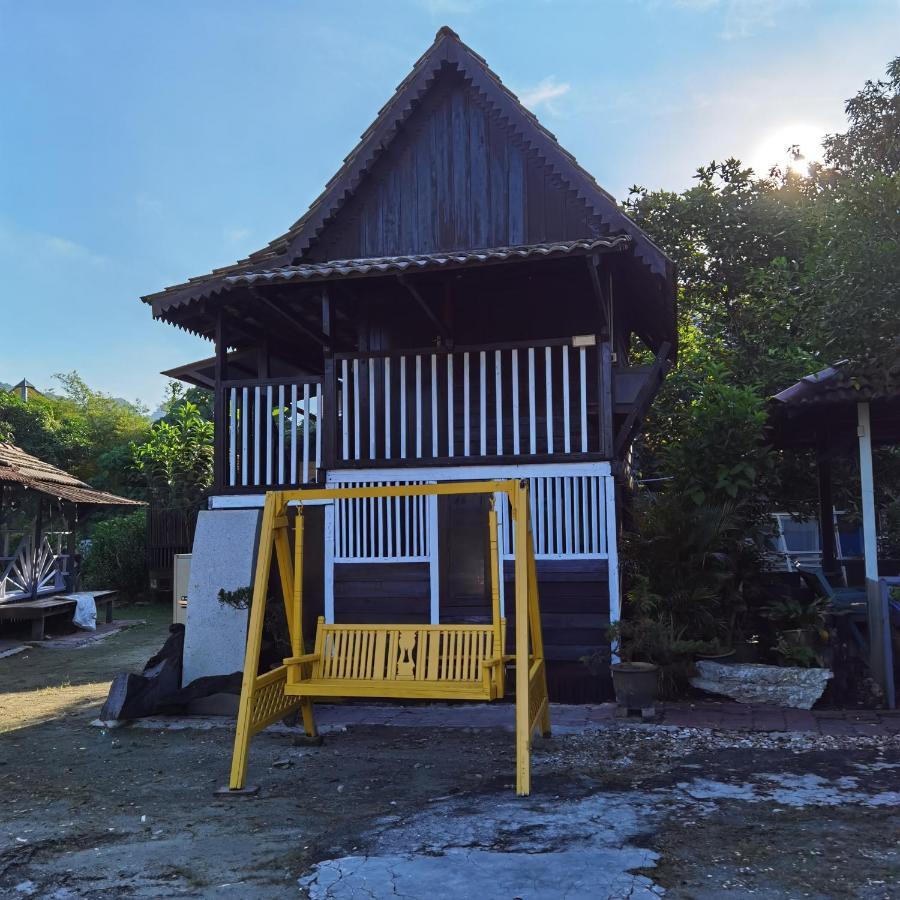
(114, 445)
(780, 274)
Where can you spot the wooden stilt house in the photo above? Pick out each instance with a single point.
(459, 303)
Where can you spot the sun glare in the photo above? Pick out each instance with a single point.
(775, 148)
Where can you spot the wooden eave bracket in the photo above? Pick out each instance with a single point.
(423, 304)
(593, 261)
(307, 330)
(643, 400)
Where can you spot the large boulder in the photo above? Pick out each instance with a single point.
(770, 685)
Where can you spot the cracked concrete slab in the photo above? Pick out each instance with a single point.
(489, 847)
(539, 847)
(485, 874)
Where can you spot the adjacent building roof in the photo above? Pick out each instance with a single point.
(21, 469)
(821, 408)
(838, 384)
(24, 388)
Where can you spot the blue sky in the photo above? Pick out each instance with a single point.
(142, 143)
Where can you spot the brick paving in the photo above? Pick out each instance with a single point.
(723, 716)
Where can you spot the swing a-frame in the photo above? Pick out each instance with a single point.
(438, 662)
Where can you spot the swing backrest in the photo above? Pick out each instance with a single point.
(433, 653)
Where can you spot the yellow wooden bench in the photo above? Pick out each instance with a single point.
(437, 662)
(452, 662)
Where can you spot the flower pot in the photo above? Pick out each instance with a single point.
(636, 686)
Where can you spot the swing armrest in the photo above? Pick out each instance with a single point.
(499, 660)
(299, 667)
(298, 660)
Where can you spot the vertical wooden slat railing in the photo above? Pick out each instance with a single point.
(272, 433)
(545, 399)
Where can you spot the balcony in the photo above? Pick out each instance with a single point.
(536, 402)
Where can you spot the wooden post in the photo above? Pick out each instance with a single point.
(219, 412)
(878, 611)
(36, 545)
(605, 398)
(523, 728)
(69, 516)
(254, 642)
(328, 414)
(612, 556)
(328, 536)
(826, 510)
(537, 638)
(434, 566)
(495, 575)
(4, 525)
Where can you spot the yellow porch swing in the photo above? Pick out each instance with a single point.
(437, 662)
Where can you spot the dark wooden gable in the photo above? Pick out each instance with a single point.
(455, 177)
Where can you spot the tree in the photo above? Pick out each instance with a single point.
(779, 275)
(117, 554)
(109, 426)
(40, 427)
(176, 460)
(177, 396)
(871, 145)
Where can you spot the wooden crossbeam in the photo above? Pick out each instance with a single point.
(423, 305)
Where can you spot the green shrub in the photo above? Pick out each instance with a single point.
(117, 557)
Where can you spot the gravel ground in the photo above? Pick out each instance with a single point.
(627, 811)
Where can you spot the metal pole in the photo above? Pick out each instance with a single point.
(867, 485)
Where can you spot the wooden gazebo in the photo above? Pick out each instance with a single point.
(844, 409)
(35, 568)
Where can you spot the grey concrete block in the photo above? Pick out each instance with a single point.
(224, 556)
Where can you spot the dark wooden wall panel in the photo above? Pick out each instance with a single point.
(574, 606)
(574, 601)
(381, 592)
(574, 613)
(456, 177)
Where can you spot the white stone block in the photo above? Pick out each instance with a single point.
(224, 556)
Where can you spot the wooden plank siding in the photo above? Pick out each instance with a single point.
(574, 612)
(456, 177)
(382, 593)
(574, 601)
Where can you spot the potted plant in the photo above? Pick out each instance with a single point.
(636, 676)
(792, 649)
(800, 629)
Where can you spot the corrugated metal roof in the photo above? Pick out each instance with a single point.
(342, 268)
(841, 383)
(84, 495)
(21, 468)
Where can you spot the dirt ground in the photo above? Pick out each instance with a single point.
(629, 811)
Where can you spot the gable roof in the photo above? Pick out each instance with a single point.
(446, 50)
